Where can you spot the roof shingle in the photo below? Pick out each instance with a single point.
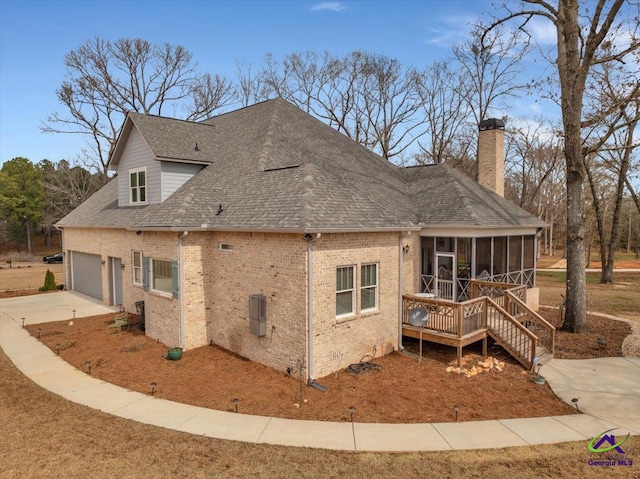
(274, 167)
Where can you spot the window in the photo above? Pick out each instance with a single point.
(368, 287)
(137, 267)
(226, 247)
(161, 276)
(345, 294)
(138, 185)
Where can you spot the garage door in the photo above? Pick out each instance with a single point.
(86, 273)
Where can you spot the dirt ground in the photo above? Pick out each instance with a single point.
(402, 390)
(26, 277)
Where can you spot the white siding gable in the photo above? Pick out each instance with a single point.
(137, 154)
(174, 175)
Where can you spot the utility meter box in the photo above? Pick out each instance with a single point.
(258, 314)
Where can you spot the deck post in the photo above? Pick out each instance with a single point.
(484, 347)
(459, 355)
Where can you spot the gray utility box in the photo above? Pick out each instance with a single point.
(258, 314)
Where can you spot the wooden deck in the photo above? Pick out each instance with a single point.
(498, 310)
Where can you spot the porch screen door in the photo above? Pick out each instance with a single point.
(445, 276)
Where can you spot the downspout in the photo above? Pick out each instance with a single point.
(400, 287)
(180, 288)
(310, 240)
(67, 267)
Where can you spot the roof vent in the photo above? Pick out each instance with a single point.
(196, 148)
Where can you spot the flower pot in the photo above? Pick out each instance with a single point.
(538, 379)
(174, 354)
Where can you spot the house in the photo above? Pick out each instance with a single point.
(270, 234)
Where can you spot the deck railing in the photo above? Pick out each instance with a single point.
(447, 317)
(498, 307)
(443, 315)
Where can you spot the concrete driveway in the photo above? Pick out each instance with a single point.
(58, 306)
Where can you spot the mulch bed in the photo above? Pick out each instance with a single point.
(402, 390)
(584, 345)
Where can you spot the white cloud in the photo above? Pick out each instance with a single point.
(334, 6)
(454, 29)
(542, 31)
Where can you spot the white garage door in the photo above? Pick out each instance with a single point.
(86, 273)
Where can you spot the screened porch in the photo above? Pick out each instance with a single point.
(449, 263)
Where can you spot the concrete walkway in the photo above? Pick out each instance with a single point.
(608, 389)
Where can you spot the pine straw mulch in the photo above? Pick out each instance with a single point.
(401, 391)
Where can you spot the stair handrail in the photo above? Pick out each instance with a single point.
(548, 339)
(532, 337)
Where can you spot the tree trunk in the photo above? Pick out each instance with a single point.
(29, 247)
(576, 312)
(572, 74)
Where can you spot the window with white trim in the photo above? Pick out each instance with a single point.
(161, 276)
(369, 286)
(345, 291)
(136, 261)
(138, 185)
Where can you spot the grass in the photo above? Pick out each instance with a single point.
(622, 298)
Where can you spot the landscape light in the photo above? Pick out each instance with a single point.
(88, 365)
(456, 408)
(235, 402)
(575, 401)
(58, 349)
(39, 330)
(153, 387)
(352, 411)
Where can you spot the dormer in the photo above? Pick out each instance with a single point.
(150, 166)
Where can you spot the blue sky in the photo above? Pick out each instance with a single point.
(35, 36)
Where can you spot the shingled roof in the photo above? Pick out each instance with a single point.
(273, 167)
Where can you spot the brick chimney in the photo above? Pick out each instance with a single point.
(491, 154)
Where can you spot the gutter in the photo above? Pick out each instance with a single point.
(310, 240)
(180, 289)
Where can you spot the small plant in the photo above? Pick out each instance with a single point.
(134, 347)
(49, 282)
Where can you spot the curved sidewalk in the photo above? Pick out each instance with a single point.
(608, 389)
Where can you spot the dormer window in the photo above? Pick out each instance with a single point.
(138, 185)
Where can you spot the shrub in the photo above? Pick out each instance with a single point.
(49, 281)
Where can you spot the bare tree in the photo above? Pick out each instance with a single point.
(107, 79)
(443, 93)
(370, 98)
(585, 38)
(490, 61)
(534, 151)
(615, 160)
(249, 85)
